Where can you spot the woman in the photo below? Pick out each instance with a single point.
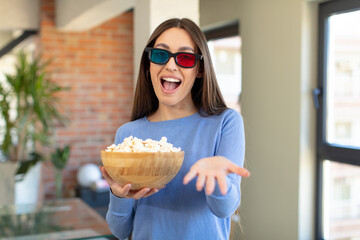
(177, 96)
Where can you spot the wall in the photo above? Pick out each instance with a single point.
(215, 13)
(278, 74)
(19, 14)
(98, 66)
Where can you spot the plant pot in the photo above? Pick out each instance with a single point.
(27, 190)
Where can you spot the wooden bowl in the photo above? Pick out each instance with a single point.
(142, 169)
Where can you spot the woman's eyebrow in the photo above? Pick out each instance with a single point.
(186, 48)
(180, 49)
(162, 45)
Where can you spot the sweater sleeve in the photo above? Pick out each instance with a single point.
(120, 213)
(120, 216)
(231, 146)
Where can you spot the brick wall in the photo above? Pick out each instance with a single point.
(98, 66)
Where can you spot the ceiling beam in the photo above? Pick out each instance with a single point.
(82, 15)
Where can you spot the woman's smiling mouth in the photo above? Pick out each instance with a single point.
(169, 85)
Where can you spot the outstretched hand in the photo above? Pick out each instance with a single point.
(212, 169)
(125, 191)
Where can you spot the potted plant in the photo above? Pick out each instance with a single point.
(28, 110)
(59, 159)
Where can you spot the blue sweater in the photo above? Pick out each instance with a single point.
(179, 211)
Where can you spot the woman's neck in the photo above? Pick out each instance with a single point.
(164, 113)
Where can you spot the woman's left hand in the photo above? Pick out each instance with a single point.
(212, 169)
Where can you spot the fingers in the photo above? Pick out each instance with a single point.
(205, 181)
(125, 191)
(140, 193)
(221, 180)
(120, 191)
(106, 176)
(189, 176)
(233, 168)
(145, 192)
(209, 172)
(210, 185)
(200, 183)
(151, 192)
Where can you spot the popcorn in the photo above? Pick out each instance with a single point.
(134, 144)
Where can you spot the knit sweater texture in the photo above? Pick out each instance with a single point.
(179, 211)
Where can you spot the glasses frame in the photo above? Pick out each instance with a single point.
(174, 55)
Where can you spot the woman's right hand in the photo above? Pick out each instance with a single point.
(125, 191)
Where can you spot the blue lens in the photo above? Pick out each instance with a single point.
(159, 56)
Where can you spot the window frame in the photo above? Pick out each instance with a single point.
(325, 150)
(224, 31)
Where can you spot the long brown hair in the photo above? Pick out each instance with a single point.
(205, 92)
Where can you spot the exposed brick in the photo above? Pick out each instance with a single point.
(97, 66)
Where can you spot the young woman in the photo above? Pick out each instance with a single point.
(177, 96)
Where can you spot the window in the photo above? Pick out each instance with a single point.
(338, 121)
(225, 49)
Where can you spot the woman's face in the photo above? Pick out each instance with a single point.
(172, 83)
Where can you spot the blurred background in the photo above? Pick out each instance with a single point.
(292, 68)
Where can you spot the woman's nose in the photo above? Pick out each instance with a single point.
(171, 64)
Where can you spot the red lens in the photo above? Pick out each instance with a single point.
(186, 60)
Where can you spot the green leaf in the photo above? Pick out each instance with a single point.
(24, 166)
(60, 157)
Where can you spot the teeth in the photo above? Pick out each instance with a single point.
(171, 79)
